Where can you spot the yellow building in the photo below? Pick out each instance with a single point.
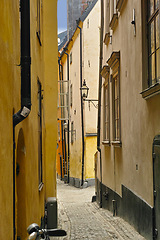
(79, 60)
(28, 62)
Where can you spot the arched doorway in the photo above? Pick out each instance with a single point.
(156, 187)
(21, 187)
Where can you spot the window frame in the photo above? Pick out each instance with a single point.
(116, 123)
(114, 63)
(39, 21)
(106, 107)
(148, 90)
(152, 19)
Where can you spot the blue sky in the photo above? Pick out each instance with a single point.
(62, 15)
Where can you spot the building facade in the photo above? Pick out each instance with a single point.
(79, 61)
(28, 136)
(128, 159)
(74, 10)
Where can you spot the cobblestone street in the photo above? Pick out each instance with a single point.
(83, 219)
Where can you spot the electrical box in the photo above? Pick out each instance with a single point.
(51, 206)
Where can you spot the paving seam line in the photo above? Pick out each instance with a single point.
(113, 228)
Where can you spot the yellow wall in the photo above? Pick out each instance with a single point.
(91, 143)
(9, 73)
(50, 93)
(29, 201)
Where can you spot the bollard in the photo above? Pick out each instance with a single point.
(51, 212)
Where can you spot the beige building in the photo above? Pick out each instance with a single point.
(79, 60)
(129, 151)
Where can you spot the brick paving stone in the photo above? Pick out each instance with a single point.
(83, 219)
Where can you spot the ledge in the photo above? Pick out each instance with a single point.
(91, 135)
(114, 21)
(106, 38)
(151, 91)
(120, 4)
(105, 71)
(106, 142)
(116, 143)
(114, 59)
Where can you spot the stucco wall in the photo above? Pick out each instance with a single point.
(131, 164)
(31, 209)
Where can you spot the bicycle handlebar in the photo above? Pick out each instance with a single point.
(35, 231)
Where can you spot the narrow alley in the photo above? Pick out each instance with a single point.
(83, 219)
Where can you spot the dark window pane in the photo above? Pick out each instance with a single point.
(157, 32)
(157, 4)
(158, 64)
(151, 7)
(152, 69)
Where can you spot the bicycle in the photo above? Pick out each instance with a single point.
(37, 233)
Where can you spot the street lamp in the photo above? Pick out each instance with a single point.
(84, 90)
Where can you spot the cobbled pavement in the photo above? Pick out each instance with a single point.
(83, 219)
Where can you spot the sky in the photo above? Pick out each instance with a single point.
(62, 15)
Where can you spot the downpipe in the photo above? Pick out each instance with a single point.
(68, 129)
(99, 97)
(62, 121)
(25, 85)
(82, 114)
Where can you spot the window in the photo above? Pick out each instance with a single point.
(114, 63)
(72, 132)
(113, 14)
(151, 48)
(107, 22)
(116, 109)
(106, 105)
(120, 4)
(40, 135)
(70, 58)
(87, 23)
(39, 21)
(106, 136)
(153, 42)
(71, 95)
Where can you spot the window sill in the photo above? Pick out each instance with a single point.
(106, 142)
(40, 186)
(106, 38)
(114, 21)
(120, 4)
(117, 143)
(151, 91)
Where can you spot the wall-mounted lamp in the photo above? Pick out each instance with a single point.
(84, 90)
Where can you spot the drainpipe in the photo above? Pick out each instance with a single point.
(68, 114)
(25, 84)
(82, 115)
(62, 130)
(99, 97)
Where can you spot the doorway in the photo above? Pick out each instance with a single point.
(156, 187)
(21, 187)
